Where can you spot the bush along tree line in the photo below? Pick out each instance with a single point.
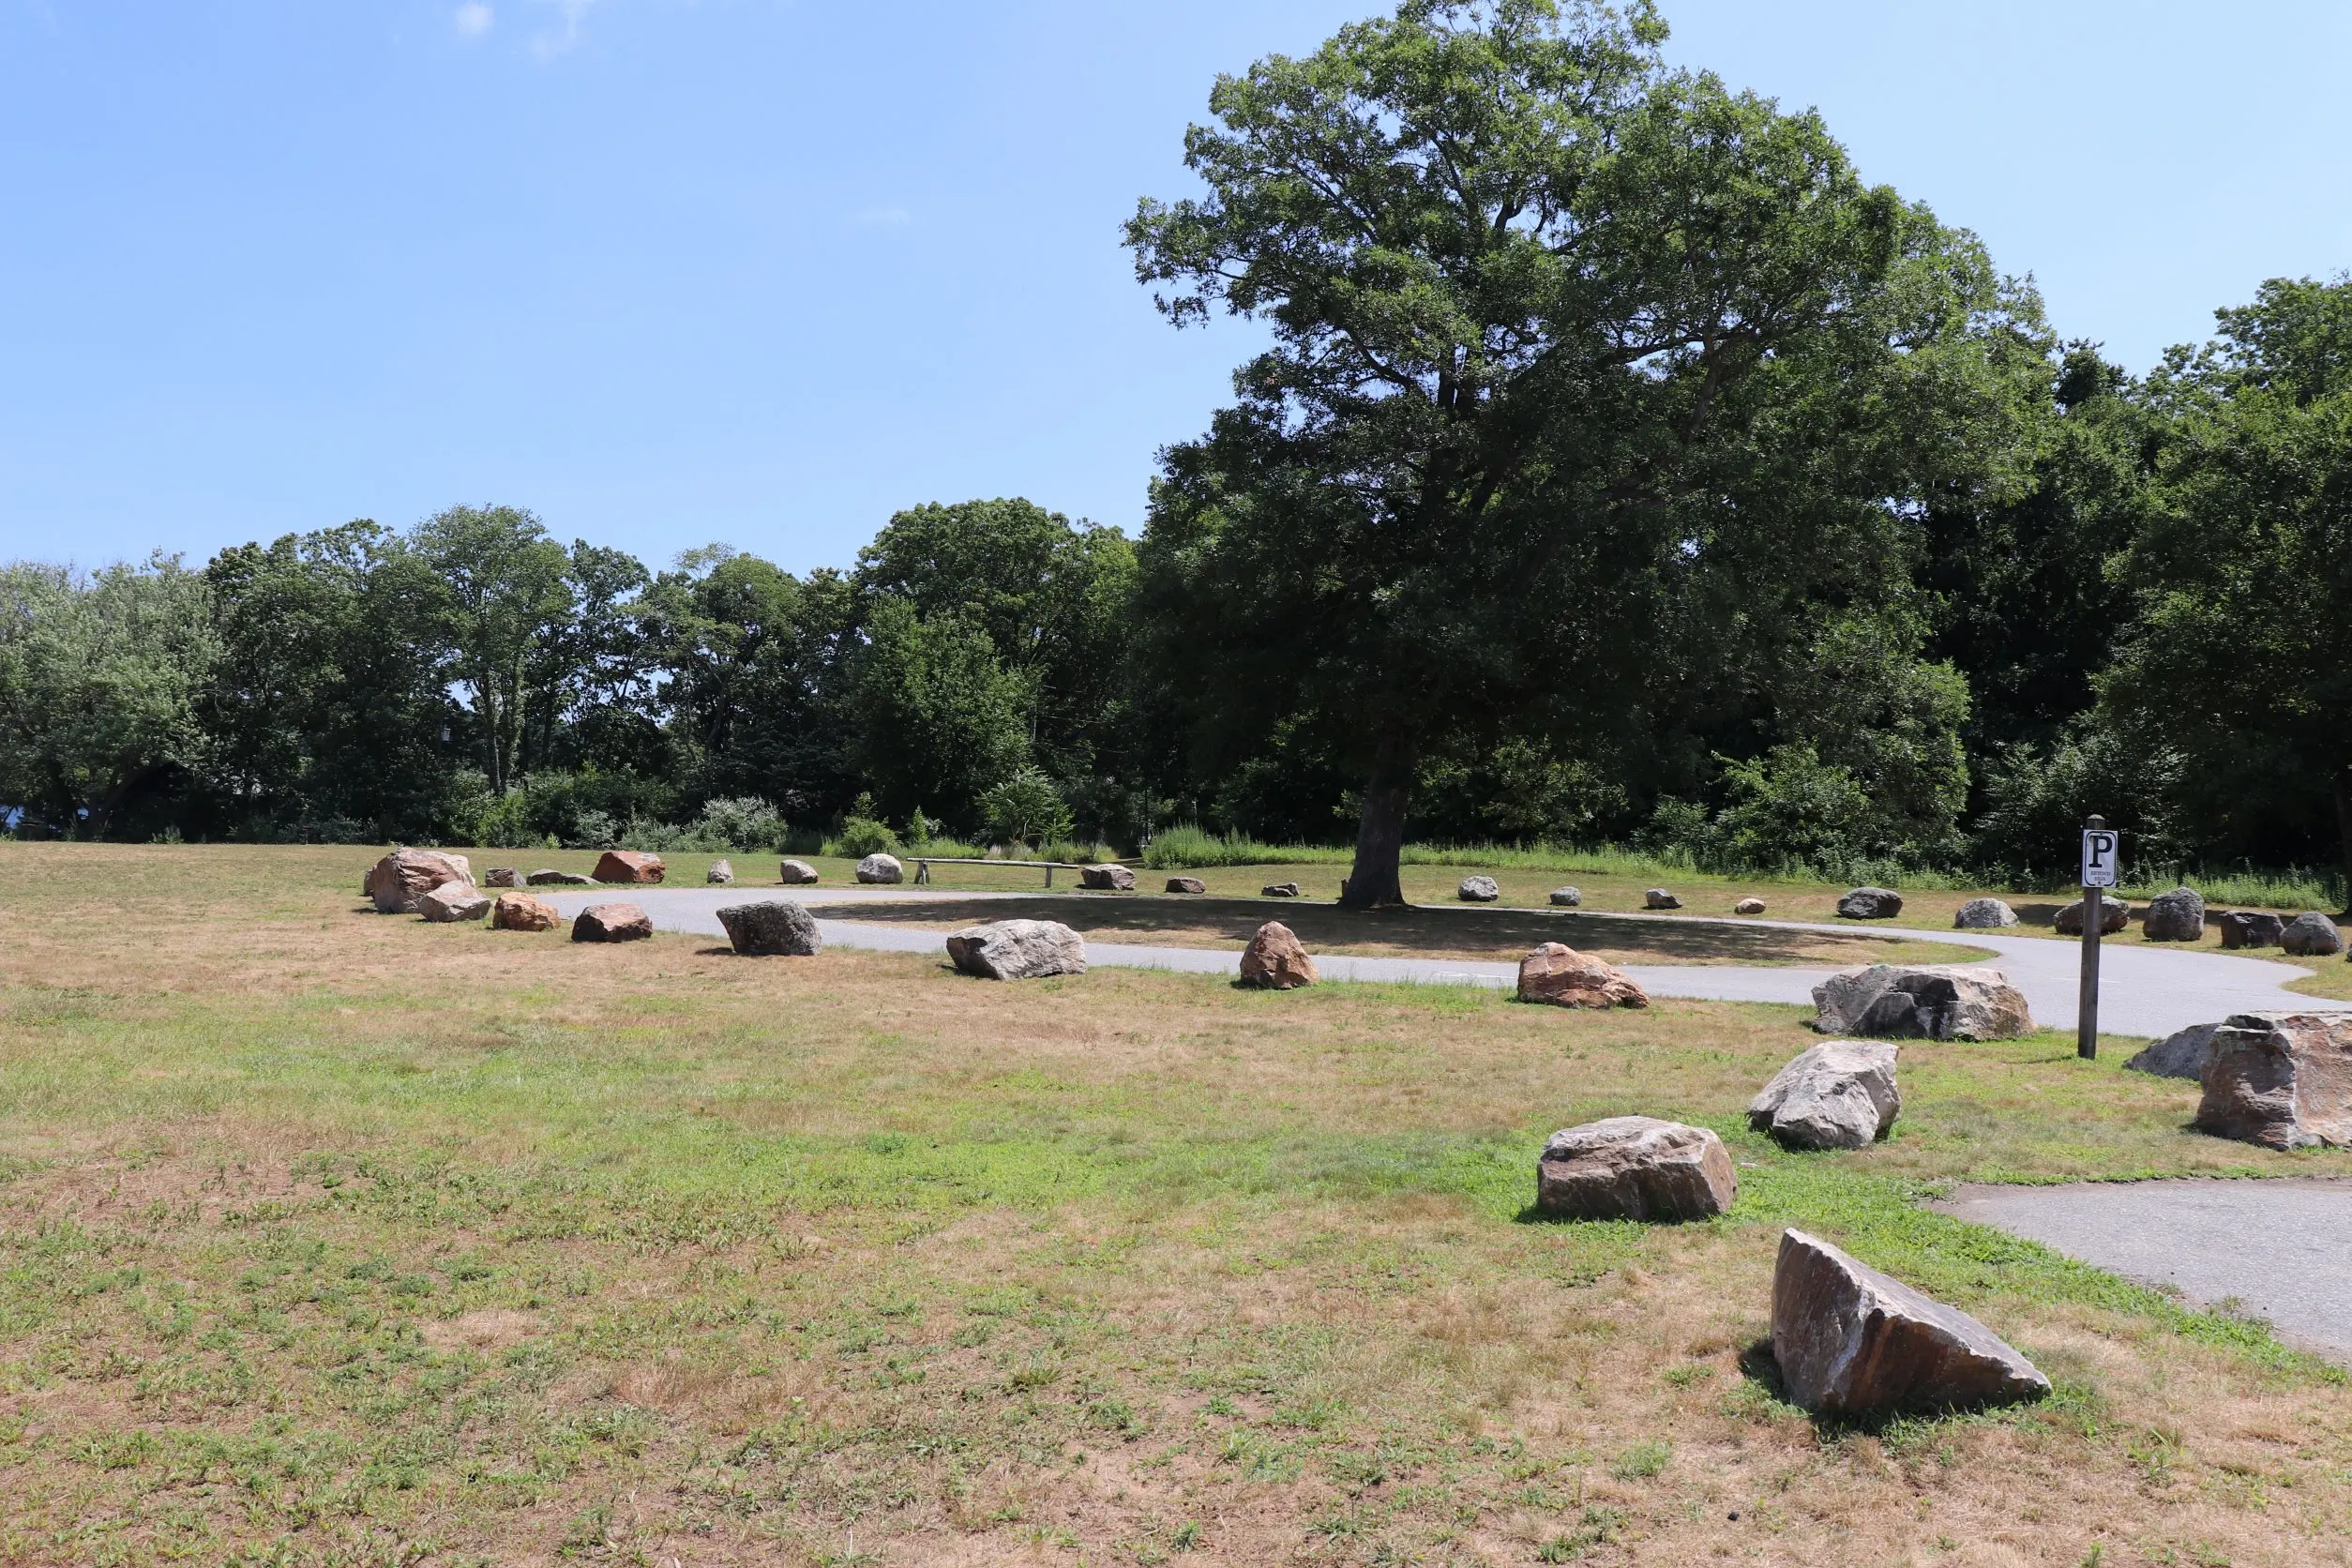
(1622, 467)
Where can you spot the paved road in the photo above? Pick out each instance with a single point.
(2282, 1248)
(2148, 992)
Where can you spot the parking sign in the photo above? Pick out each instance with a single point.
(2100, 861)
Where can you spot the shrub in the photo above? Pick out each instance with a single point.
(1026, 808)
(862, 835)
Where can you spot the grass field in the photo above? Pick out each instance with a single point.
(332, 1238)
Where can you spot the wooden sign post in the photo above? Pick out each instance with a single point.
(2099, 874)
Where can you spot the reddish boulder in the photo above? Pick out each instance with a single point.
(2282, 1079)
(1109, 877)
(1559, 975)
(520, 912)
(612, 923)
(1635, 1168)
(405, 876)
(1276, 960)
(628, 866)
(1187, 885)
(1856, 1343)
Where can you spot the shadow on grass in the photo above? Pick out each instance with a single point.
(1234, 921)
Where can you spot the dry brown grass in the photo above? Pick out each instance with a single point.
(351, 1239)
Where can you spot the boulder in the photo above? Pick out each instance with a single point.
(501, 876)
(559, 879)
(795, 873)
(629, 867)
(1840, 1095)
(1635, 1168)
(1748, 906)
(2114, 914)
(1983, 914)
(520, 912)
(775, 928)
(2280, 1079)
(1871, 903)
(404, 876)
(1567, 898)
(2310, 935)
(1276, 960)
(1659, 898)
(1478, 890)
(1109, 877)
(1929, 1002)
(1279, 890)
(2175, 917)
(1855, 1343)
(1018, 950)
(1561, 975)
(2250, 929)
(612, 923)
(2180, 1055)
(880, 869)
(721, 874)
(453, 902)
(1187, 885)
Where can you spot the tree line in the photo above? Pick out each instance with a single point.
(1622, 466)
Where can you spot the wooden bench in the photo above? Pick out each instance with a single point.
(922, 865)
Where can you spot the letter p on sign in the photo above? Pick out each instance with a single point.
(2099, 858)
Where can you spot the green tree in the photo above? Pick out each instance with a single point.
(938, 719)
(99, 680)
(503, 590)
(2241, 655)
(329, 700)
(1591, 383)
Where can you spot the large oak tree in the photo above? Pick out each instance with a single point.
(1591, 383)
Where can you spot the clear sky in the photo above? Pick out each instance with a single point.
(670, 272)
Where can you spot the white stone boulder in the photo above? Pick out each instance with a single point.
(1840, 1095)
(1018, 950)
(1871, 903)
(1478, 890)
(880, 869)
(2182, 1054)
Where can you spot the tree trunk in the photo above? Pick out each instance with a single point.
(1380, 834)
(2344, 831)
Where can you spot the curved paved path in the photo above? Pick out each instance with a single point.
(2280, 1247)
(2143, 990)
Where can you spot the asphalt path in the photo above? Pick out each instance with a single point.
(2143, 990)
(2280, 1248)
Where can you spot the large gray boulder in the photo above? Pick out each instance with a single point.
(1855, 1343)
(2250, 929)
(454, 902)
(2280, 1079)
(2175, 917)
(2114, 914)
(2181, 1055)
(1567, 898)
(880, 869)
(1478, 890)
(1871, 903)
(1840, 1095)
(1635, 1168)
(1925, 1001)
(1187, 885)
(721, 874)
(774, 927)
(1109, 877)
(1018, 950)
(1279, 890)
(795, 873)
(1983, 914)
(559, 879)
(2311, 935)
(1659, 898)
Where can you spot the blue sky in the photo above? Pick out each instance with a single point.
(670, 272)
